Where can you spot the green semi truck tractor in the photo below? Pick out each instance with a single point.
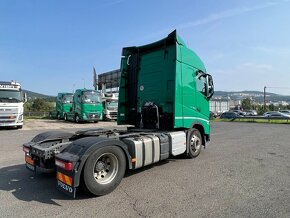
(164, 96)
(63, 104)
(86, 106)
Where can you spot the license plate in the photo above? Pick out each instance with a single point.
(69, 190)
(30, 163)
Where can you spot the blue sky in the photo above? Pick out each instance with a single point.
(51, 46)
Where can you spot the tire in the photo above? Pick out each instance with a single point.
(104, 170)
(194, 143)
(65, 117)
(77, 118)
(58, 115)
(19, 127)
(50, 115)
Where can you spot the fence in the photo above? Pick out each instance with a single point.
(253, 118)
(36, 114)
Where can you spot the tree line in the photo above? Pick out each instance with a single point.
(248, 105)
(39, 104)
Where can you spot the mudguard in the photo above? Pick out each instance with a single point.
(52, 135)
(79, 151)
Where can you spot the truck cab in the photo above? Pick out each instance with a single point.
(63, 104)
(86, 106)
(110, 106)
(164, 96)
(11, 104)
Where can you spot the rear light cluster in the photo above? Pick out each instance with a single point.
(64, 165)
(25, 149)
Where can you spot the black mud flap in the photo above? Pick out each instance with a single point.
(67, 189)
(65, 182)
(29, 163)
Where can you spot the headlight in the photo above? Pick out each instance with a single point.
(20, 118)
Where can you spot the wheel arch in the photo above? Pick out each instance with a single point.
(199, 126)
(90, 144)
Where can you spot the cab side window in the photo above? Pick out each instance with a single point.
(201, 82)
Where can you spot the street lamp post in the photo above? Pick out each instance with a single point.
(264, 99)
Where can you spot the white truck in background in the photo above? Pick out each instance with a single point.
(11, 104)
(110, 106)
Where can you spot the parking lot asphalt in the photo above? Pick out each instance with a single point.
(244, 172)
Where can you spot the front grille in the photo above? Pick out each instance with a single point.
(7, 117)
(91, 115)
(7, 121)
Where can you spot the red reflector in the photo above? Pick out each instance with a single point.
(25, 149)
(64, 165)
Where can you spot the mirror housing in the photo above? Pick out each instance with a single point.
(25, 97)
(209, 86)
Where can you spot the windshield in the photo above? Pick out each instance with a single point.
(91, 97)
(67, 99)
(10, 96)
(112, 104)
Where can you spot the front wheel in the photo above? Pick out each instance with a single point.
(77, 118)
(65, 117)
(104, 170)
(194, 143)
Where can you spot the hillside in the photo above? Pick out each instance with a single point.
(33, 95)
(256, 95)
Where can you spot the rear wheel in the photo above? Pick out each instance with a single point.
(194, 143)
(104, 170)
(77, 118)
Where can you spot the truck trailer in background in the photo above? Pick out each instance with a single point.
(11, 104)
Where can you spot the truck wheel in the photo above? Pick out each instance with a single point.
(77, 118)
(104, 170)
(58, 116)
(19, 127)
(194, 143)
(50, 115)
(65, 117)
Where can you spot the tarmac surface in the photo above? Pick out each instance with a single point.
(244, 172)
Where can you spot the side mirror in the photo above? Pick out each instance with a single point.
(209, 86)
(25, 97)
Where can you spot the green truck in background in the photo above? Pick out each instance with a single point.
(164, 95)
(86, 106)
(63, 104)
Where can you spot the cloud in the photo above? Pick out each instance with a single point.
(247, 68)
(215, 17)
(227, 14)
(111, 3)
(272, 50)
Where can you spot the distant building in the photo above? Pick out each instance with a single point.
(219, 105)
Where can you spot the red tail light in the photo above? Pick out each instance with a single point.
(25, 149)
(64, 165)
